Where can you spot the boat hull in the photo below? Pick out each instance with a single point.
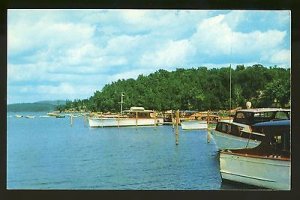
(227, 141)
(193, 125)
(119, 122)
(259, 171)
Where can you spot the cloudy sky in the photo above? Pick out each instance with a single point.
(68, 54)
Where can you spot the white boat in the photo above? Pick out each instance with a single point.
(30, 116)
(45, 116)
(19, 116)
(198, 120)
(56, 114)
(53, 114)
(238, 134)
(136, 116)
(193, 125)
(268, 165)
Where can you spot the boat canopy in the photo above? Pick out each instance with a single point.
(138, 109)
(255, 110)
(253, 116)
(273, 123)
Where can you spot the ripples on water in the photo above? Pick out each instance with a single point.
(47, 153)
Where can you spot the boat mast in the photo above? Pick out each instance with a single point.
(122, 95)
(230, 72)
(230, 87)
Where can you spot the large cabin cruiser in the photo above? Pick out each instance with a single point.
(238, 134)
(268, 165)
(136, 116)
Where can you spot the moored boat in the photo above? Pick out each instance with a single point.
(238, 135)
(136, 116)
(30, 116)
(53, 114)
(56, 114)
(45, 116)
(194, 124)
(268, 165)
(18, 116)
(199, 120)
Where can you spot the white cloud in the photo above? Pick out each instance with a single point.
(133, 16)
(281, 57)
(79, 51)
(28, 35)
(215, 38)
(170, 54)
(24, 72)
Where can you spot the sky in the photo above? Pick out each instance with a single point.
(56, 54)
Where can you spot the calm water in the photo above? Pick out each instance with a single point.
(47, 153)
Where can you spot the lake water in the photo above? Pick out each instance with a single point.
(49, 153)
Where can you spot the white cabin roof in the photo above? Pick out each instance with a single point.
(263, 110)
(138, 109)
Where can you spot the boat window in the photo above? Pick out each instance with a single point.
(282, 115)
(262, 117)
(143, 115)
(286, 142)
(228, 128)
(240, 115)
(219, 126)
(243, 117)
(278, 139)
(224, 127)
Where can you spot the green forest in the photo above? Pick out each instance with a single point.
(194, 89)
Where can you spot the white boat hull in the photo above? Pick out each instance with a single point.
(227, 141)
(258, 171)
(119, 122)
(226, 120)
(193, 125)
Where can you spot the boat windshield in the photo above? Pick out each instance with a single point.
(250, 118)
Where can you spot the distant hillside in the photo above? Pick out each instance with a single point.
(55, 102)
(41, 106)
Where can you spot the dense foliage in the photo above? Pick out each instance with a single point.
(31, 107)
(195, 89)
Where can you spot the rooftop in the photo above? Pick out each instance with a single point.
(263, 110)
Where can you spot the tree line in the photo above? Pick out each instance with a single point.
(194, 89)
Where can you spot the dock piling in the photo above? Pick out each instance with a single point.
(208, 135)
(71, 120)
(177, 131)
(155, 120)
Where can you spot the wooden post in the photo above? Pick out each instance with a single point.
(208, 135)
(208, 129)
(136, 119)
(155, 120)
(208, 119)
(71, 119)
(177, 122)
(118, 121)
(173, 122)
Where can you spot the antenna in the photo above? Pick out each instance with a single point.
(230, 72)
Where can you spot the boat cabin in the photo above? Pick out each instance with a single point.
(139, 112)
(276, 142)
(253, 116)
